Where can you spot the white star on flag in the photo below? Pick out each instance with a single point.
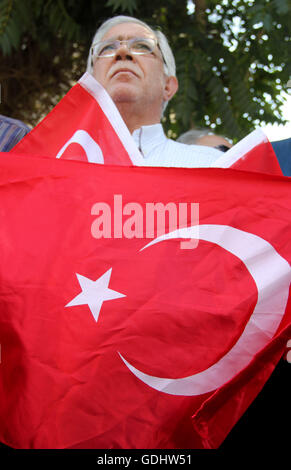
(94, 293)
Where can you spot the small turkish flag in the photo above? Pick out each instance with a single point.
(253, 153)
(114, 338)
(85, 125)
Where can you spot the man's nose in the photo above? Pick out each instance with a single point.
(123, 53)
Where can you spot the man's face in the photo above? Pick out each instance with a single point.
(130, 78)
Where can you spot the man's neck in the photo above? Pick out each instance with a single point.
(135, 120)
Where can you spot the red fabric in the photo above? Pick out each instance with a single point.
(78, 110)
(260, 158)
(62, 381)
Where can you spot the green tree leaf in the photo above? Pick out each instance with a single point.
(124, 5)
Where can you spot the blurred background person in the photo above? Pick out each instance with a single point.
(205, 137)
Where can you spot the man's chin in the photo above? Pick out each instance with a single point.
(123, 95)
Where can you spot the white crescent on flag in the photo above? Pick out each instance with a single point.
(92, 149)
(267, 268)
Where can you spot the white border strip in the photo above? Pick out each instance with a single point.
(90, 84)
(240, 149)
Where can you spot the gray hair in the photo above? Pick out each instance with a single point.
(191, 136)
(169, 61)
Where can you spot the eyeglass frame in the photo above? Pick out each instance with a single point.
(125, 41)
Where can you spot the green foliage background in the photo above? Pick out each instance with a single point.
(233, 57)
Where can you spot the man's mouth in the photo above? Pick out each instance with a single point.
(117, 72)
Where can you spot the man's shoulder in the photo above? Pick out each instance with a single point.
(284, 144)
(194, 155)
(11, 132)
(282, 150)
(5, 120)
(159, 150)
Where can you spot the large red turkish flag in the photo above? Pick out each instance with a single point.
(135, 342)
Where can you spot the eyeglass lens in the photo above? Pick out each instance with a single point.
(135, 46)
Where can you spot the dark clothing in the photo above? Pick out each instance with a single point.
(11, 132)
(282, 150)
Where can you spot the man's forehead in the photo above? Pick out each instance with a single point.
(128, 31)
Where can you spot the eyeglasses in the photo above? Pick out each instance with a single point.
(136, 46)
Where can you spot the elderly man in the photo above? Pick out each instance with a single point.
(136, 66)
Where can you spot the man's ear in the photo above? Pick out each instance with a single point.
(171, 86)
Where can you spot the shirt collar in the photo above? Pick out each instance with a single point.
(149, 137)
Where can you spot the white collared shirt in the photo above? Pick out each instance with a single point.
(158, 150)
